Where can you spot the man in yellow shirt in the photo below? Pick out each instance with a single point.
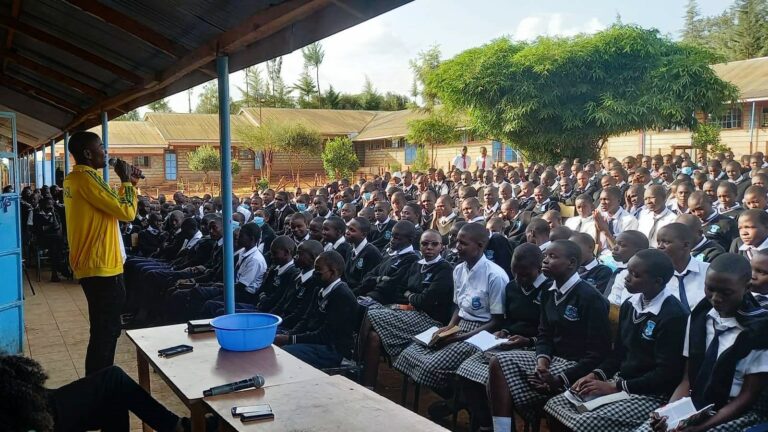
(96, 252)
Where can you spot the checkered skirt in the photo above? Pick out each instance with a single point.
(621, 416)
(475, 368)
(396, 328)
(434, 367)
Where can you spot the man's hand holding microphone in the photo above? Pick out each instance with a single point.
(126, 171)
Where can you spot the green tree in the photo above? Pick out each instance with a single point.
(370, 98)
(563, 97)
(422, 66)
(279, 94)
(132, 115)
(339, 158)
(313, 56)
(692, 27)
(332, 99)
(255, 87)
(161, 105)
(750, 32)
(706, 138)
(208, 100)
(439, 127)
(206, 159)
(421, 162)
(302, 144)
(393, 102)
(306, 89)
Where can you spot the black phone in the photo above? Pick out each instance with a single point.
(265, 413)
(199, 326)
(241, 410)
(174, 351)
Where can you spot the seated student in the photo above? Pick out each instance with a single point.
(725, 351)
(261, 219)
(333, 236)
(726, 198)
(627, 245)
(324, 337)
(48, 234)
(427, 302)
(295, 302)
(364, 255)
(499, 250)
(655, 215)
(753, 233)
(537, 232)
(445, 216)
(150, 238)
(382, 234)
(470, 209)
(299, 227)
(542, 202)
(411, 212)
(573, 338)
(680, 203)
(522, 310)
(755, 198)
(687, 285)
(705, 249)
(384, 284)
(717, 227)
(611, 219)
(561, 232)
(101, 400)
(645, 360)
(451, 254)
(758, 285)
(479, 299)
(553, 218)
(347, 212)
(583, 221)
(495, 225)
(590, 270)
(316, 228)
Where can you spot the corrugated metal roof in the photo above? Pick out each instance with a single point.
(133, 133)
(192, 127)
(325, 121)
(750, 76)
(389, 125)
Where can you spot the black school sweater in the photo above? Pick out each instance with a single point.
(380, 235)
(273, 288)
(721, 229)
(431, 289)
(523, 309)
(386, 282)
(576, 329)
(499, 250)
(647, 349)
(708, 251)
(295, 303)
(597, 276)
(360, 265)
(327, 320)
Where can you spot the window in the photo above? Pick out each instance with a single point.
(142, 161)
(764, 118)
(410, 153)
(511, 155)
(170, 166)
(731, 119)
(242, 154)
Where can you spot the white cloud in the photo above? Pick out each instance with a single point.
(554, 24)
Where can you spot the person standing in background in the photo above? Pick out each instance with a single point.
(484, 161)
(462, 161)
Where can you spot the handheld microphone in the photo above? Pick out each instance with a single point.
(257, 381)
(113, 161)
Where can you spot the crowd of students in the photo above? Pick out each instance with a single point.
(647, 275)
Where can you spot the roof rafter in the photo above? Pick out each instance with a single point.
(46, 71)
(39, 93)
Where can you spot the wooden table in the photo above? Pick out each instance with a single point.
(329, 403)
(209, 365)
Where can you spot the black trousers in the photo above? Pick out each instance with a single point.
(102, 401)
(106, 296)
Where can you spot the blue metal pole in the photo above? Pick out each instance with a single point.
(34, 165)
(42, 163)
(225, 146)
(53, 162)
(105, 140)
(66, 153)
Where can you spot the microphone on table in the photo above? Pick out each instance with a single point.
(256, 381)
(113, 161)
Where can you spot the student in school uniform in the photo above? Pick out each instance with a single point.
(687, 284)
(324, 337)
(520, 327)
(726, 353)
(479, 296)
(727, 201)
(627, 245)
(470, 209)
(573, 338)
(704, 249)
(537, 232)
(543, 203)
(299, 228)
(426, 302)
(717, 227)
(645, 360)
(364, 256)
(384, 283)
(294, 304)
(755, 198)
(583, 221)
(382, 232)
(758, 285)
(753, 233)
(655, 215)
(445, 216)
(590, 270)
(611, 219)
(333, 236)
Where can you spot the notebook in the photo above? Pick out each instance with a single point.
(485, 341)
(428, 337)
(681, 413)
(588, 403)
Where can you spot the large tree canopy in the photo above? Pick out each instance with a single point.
(562, 97)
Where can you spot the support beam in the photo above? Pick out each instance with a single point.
(225, 146)
(15, 11)
(43, 165)
(53, 162)
(34, 167)
(66, 153)
(38, 93)
(51, 73)
(13, 24)
(105, 140)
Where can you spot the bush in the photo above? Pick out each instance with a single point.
(206, 159)
(339, 158)
(706, 138)
(395, 167)
(421, 163)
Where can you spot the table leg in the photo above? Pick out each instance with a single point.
(143, 366)
(197, 411)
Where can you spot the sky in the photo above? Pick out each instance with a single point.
(380, 48)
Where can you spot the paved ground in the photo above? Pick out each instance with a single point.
(57, 337)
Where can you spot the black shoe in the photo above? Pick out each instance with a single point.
(439, 410)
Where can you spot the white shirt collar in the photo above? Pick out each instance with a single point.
(220, 242)
(306, 275)
(693, 267)
(540, 279)
(246, 253)
(701, 243)
(545, 202)
(573, 280)
(359, 248)
(282, 269)
(762, 246)
(592, 264)
(723, 323)
(338, 242)
(327, 290)
(654, 307)
(446, 219)
(664, 212)
(543, 247)
(478, 219)
(436, 259)
(492, 209)
(383, 223)
(403, 251)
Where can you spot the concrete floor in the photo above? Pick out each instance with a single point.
(56, 322)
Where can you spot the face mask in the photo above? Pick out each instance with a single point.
(367, 196)
(259, 220)
(301, 206)
(609, 261)
(235, 224)
(339, 205)
(687, 170)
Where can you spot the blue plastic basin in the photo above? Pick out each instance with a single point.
(246, 331)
